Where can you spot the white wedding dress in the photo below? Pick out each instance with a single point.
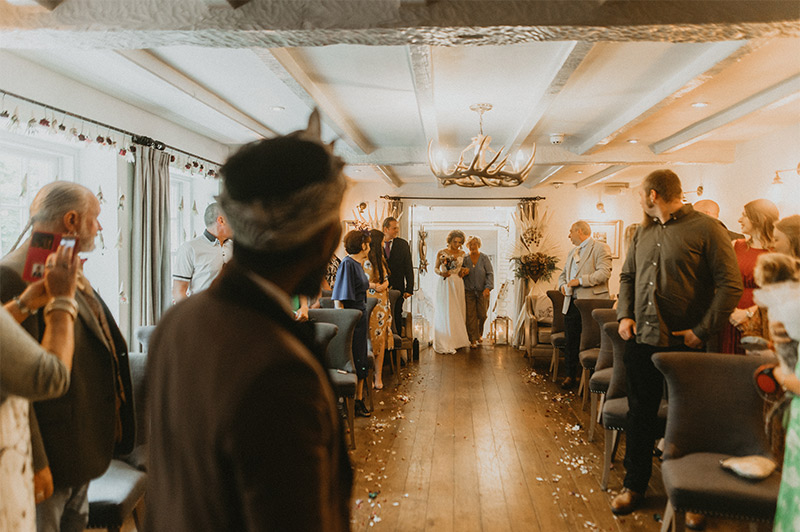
(450, 321)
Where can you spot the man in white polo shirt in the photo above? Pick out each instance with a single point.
(199, 261)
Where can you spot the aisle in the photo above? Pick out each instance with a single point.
(481, 441)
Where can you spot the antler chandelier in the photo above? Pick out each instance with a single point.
(475, 171)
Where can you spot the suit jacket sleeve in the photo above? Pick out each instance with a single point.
(562, 277)
(602, 266)
(408, 269)
(283, 430)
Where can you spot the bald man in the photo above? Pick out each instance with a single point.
(711, 208)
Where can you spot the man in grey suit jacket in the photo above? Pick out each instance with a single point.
(77, 434)
(585, 276)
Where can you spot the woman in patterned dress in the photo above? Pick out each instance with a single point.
(380, 322)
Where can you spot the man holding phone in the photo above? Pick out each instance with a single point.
(78, 432)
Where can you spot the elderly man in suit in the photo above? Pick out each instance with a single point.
(76, 434)
(245, 434)
(585, 276)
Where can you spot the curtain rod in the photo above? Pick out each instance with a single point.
(397, 198)
(137, 139)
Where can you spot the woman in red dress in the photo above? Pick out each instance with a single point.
(758, 225)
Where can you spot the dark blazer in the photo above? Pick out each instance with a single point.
(78, 429)
(245, 434)
(401, 276)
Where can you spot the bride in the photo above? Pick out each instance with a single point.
(450, 329)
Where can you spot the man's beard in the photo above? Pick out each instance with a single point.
(310, 285)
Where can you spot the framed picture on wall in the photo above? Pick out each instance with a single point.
(608, 232)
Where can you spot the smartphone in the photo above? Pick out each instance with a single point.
(42, 245)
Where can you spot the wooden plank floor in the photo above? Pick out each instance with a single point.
(482, 440)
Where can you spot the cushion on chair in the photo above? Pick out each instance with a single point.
(600, 380)
(615, 414)
(113, 496)
(558, 340)
(588, 357)
(696, 482)
(344, 383)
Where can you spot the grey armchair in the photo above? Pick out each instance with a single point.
(340, 357)
(714, 412)
(598, 383)
(590, 339)
(117, 493)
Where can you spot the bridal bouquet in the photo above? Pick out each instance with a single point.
(534, 255)
(450, 264)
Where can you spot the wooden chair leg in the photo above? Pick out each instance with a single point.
(611, 435)
(392, 360)
(556, 356)
(593, 416)
(601, 401)
(583, 388)
(616, 445)
(350, 403)
(368, 388)
(679, 521)
(669, 517)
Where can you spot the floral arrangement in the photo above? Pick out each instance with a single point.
(450, 264)
(535, 266)
(534, 254)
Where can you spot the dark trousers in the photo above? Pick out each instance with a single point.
(572, 338)
(477, 305)
(645, 391)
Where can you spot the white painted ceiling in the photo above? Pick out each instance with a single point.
(387, 87)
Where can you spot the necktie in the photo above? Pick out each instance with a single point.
(387, 247)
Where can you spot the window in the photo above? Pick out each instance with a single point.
(23, 171)
(189, 195)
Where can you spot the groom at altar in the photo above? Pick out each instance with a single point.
(398, 257)
(585, 276)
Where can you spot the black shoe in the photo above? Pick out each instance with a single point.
(361, 409)
(568, 383)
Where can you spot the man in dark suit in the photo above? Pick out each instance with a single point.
(401, 270)
(76, 434)
(245, 434)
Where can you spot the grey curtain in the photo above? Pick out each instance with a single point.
(150, 252)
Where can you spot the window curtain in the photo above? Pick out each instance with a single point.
(150, 257)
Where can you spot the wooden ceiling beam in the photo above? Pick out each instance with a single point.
(785, 90)
(150, 63)
(292, 63)
(690, 77)
(570, 61)
(602, 175)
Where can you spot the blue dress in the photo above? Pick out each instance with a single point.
(351, 289)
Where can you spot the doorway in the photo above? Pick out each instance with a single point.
(492, 224)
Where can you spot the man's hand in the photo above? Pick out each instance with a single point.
(42, 484)
(406, 295)
(562, 289)
(486, 292)
(573, 283)
(689, 338)
(627, 329)
(738, 316)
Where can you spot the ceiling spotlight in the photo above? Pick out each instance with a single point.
(579, 172)
(698, 105)
(557, 184)
(277, 108)
(633, 141)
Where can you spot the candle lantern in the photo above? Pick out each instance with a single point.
(500, 330)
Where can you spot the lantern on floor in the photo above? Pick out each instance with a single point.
(500, 330)
(419, 329)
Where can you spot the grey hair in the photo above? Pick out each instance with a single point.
(474, 238)
(213, 211)
(56, 199)
(583, 227)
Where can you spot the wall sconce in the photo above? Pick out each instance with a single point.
(500, 329)
(601, 207)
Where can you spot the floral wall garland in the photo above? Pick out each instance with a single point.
(74, 129)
